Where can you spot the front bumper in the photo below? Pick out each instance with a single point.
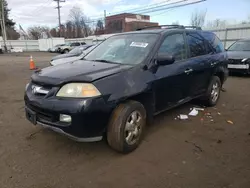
(60, 131)
(89, 116)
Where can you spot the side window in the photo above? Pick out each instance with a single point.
(214, 41)
(174, 45)
(75, 44)
(196, 44)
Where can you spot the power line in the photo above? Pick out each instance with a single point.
(159, 7)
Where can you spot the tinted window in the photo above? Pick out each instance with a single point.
(174, 45)
(196, 44)
(75, 44)
(83, 43)
(214, 41)
(240, 46)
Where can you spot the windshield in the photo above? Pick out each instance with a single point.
(80, 49)
(123, 49)
(240, 46)
(77, 50)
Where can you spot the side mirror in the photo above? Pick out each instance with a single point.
(165, 59)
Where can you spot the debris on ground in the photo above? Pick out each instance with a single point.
(183, 117)
(194, 112)
(223, 90)
(199, 109)
(230, 122)
(195, 145)
(219, 113)
(219, 141)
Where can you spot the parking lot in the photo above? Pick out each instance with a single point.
(206, 151)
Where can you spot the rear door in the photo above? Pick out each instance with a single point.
(200, 60)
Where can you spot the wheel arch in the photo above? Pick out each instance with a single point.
(147, 99)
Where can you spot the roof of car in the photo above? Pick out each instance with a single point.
(246, 40)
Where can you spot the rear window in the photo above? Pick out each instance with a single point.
(215, 42)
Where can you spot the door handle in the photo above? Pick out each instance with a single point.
(188, 71)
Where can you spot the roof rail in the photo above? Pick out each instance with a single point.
(170, 27)
(162, 27)
(193, 27)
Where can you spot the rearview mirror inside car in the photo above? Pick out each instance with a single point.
(165, 59)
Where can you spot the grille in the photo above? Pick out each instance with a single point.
(235, 61)
(42, 114)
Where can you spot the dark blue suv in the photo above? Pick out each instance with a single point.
(125, 81)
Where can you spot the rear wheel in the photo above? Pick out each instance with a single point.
(65, 51)
(126, 127)
(213, 93)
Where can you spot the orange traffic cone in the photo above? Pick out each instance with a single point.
(32, 64)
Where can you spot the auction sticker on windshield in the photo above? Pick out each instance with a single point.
(139, 44)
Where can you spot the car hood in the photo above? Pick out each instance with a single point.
(238, 54)
(65, 60)
(78, 71)
(63, 56)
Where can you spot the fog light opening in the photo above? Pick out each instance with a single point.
(65, 118)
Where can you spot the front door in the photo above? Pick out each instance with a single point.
(173, 80)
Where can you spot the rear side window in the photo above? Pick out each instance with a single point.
(196, 44)
(174, 45)
(214, 41)
(75, 44)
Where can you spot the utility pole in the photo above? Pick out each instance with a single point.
(59, 13)
(105, 15)
(3, 26)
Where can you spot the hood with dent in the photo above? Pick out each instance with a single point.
(65, 60)
(238, 54)
(78, 71)
(64, 56)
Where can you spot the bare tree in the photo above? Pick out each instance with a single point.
(218, 23)
(79, 22)
(37, 32)
(198, 18)
(99, 28)
(175, 23)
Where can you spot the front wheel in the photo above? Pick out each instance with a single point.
(126, 126)
(213, 93)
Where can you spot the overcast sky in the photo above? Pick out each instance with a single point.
(43, 12)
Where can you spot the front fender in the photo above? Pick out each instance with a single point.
(123, 85)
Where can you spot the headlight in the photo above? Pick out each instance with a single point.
(78, 90)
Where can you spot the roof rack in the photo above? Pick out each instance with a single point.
(170, 27)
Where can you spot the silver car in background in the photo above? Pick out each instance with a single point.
(71, 58)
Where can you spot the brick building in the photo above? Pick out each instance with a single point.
(127, 22)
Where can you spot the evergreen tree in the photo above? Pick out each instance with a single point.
(9, 23)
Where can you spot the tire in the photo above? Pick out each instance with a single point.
(211, 98)
(123, 135)
(65, 51)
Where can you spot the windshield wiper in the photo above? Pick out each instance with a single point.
(105, 61)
